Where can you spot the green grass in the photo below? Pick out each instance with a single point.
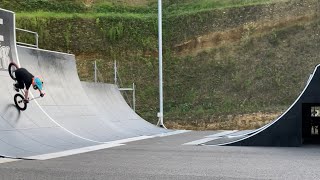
(81, 15)
(111, 7)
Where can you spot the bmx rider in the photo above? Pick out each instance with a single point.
(24, 80)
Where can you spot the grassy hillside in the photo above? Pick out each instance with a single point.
(124, 6)
(221, 60)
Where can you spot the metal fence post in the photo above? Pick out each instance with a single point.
(37, 39)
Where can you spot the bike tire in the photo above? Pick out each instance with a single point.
(11, 68)
(18, 101)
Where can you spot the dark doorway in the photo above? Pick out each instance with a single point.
(311, 123)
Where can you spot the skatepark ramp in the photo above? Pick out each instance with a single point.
(293, 128)
(72, 115)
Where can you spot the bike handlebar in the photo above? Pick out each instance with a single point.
(35, 98)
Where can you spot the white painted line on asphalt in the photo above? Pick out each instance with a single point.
(1, 38)
(171, 133)
(1, 21)
(224, 133)
(200, 141)
(107, 145)
(121, 141)
(7, 160)
(73, 151)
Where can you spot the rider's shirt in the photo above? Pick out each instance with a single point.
(24, 76)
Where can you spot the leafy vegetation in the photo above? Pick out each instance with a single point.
(42, 5)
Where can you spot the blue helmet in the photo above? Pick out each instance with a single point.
(37, 83)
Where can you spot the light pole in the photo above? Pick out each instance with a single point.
(160, 114)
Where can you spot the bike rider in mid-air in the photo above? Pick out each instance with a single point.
(24, 80)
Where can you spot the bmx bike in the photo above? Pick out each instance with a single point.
(18, 98)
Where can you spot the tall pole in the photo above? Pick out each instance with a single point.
(160, 114)
(134, 97)
(95, 72)
(115, 72)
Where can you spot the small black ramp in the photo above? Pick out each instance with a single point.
(290, 129)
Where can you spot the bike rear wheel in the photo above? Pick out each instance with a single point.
(12, 68)
(18, 101)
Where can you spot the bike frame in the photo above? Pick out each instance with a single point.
(22, 91)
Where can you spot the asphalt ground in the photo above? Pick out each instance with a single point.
(167, 158)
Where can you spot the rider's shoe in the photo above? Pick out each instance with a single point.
(15, 88)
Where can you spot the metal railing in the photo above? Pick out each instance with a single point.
(116, 82)
(133, 89)
(31, 32)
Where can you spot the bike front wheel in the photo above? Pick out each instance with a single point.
(18, 101)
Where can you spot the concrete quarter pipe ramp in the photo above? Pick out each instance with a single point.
(292, 128)
(67, 118)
